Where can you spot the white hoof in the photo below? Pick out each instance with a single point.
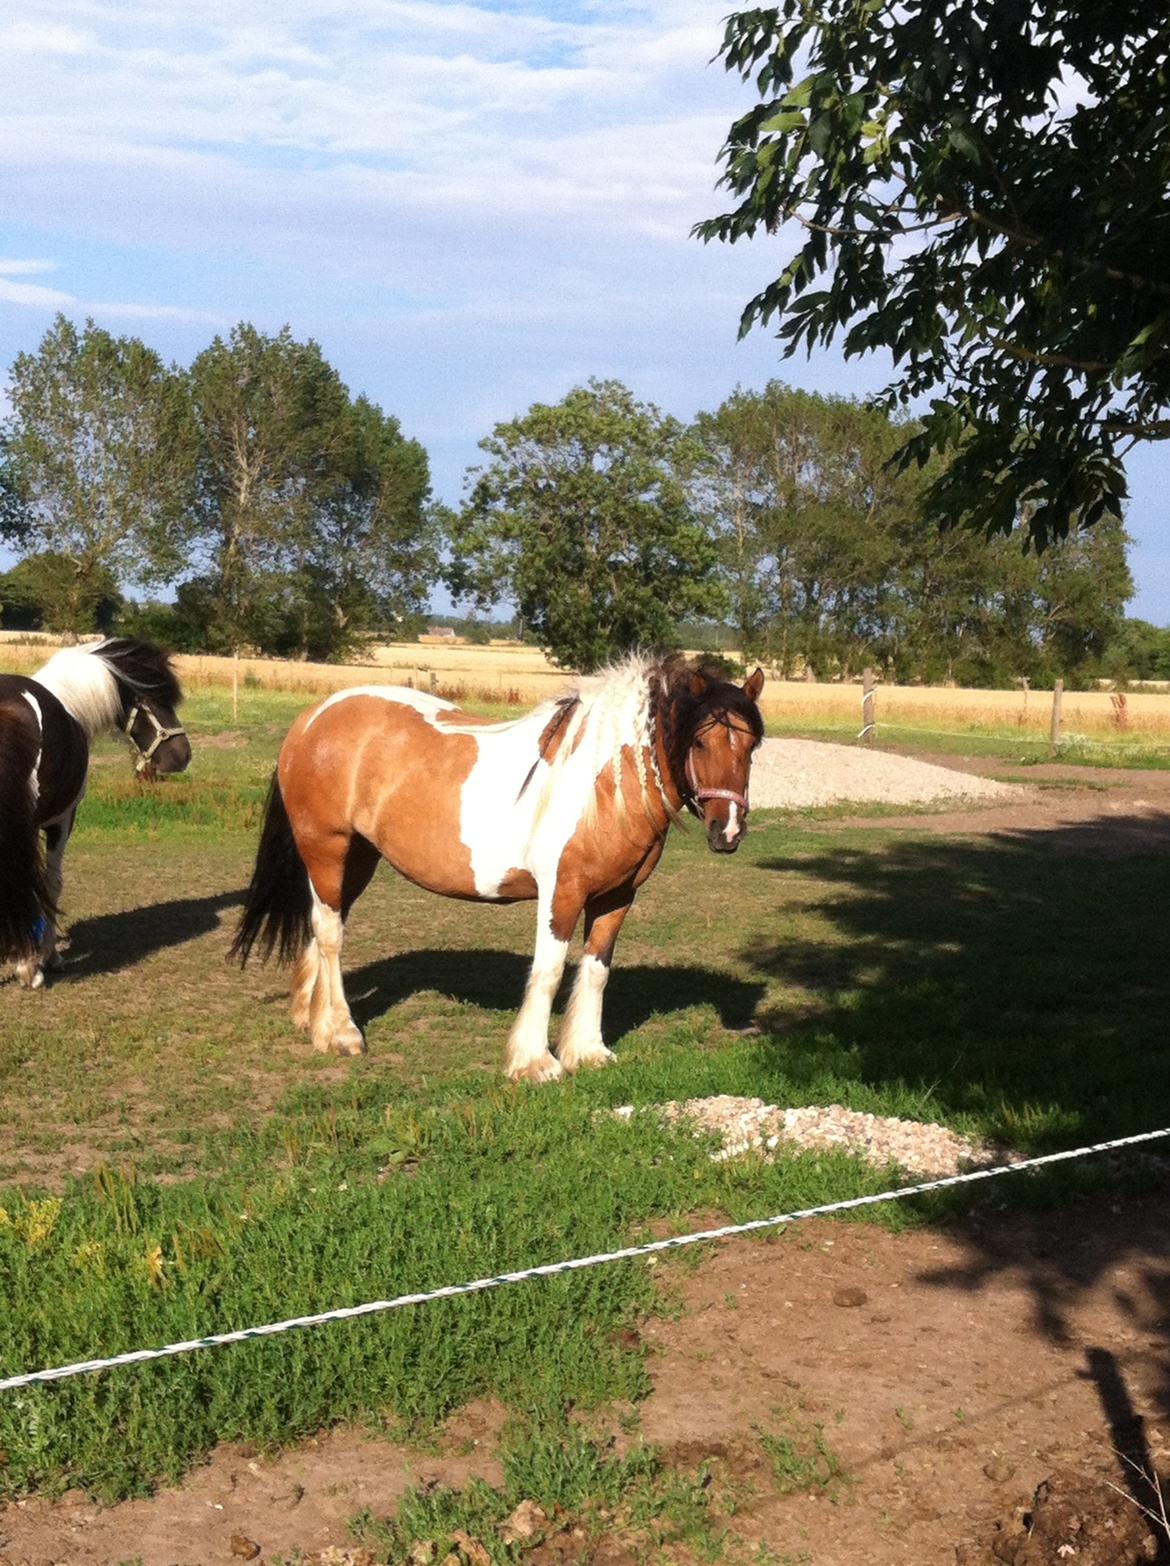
(545, 1068)
(586, 1059)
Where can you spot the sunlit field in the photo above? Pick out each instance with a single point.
(176, 1161)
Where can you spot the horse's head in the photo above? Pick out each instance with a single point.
(714, 731)
(150, 694)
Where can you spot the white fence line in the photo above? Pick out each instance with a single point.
(551, 1269)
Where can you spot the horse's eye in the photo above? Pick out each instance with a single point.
(699, 745)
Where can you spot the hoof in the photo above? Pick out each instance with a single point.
(30, 978)
(587, 1059)
(346, 1041)
(546, 1068)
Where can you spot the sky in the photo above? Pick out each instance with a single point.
(471, 207)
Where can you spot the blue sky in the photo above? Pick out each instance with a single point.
(472, 207)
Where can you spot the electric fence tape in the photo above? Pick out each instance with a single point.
(551, 1269)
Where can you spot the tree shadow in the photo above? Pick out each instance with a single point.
(110, 943)
(495, 980)
(1021, 977)
(1023, 974)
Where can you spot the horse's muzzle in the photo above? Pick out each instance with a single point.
(717, 838)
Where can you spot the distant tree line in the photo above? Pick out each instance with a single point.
(275, 511)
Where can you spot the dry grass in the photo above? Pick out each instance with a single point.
(510, 674)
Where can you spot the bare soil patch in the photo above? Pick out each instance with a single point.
(948, 1373)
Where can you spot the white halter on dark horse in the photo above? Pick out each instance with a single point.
(47, 722)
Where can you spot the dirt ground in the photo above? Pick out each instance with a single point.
(948, 1373)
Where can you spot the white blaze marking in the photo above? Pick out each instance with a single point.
(732, 826)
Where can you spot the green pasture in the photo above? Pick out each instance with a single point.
(176, 1162)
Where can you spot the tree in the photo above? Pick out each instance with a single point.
(96, 463)
(1139, 651)
(982, 189)
(271, 420)
(584, 519)
(373, 551)
(315, 505)
(44, 592)
(798, 492)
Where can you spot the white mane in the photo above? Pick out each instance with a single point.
(84, 686)
(612, 713)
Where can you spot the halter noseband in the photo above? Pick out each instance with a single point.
(699, 794)
(161, 734)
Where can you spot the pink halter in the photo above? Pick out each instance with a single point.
(699, 794)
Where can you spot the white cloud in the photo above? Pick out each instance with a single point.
(11, 267)
(34, 295)
(32, 38)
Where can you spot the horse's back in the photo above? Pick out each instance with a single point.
(435, 790)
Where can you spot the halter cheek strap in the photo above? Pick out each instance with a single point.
(145, 757)
(699, 794)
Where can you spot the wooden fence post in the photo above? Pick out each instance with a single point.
(1054, 728)
(434, 682)
(868, 725)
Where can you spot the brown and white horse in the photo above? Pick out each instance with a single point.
(46, 725)
(569, 806)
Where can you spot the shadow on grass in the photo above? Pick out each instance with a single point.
(116, 941)
(1022, 977)
(1026, 969)
(495, 980)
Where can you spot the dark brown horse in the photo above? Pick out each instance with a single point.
(46, 725)
(568, 806)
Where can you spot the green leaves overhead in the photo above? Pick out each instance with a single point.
(981, 188)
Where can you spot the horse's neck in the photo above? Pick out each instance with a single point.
(84, 687)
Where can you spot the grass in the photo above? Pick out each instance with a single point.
(176, 1162)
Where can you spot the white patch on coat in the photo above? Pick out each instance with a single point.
(732, 827)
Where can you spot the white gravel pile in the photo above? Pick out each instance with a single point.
(795, 774)
(748, 1125)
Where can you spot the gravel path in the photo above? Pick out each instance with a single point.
(794, 774)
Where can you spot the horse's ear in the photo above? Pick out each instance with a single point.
(697, 683)
(753, 685)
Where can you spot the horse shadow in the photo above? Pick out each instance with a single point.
(495, 980)
(110, 943)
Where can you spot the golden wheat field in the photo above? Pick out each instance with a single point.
(508, 674)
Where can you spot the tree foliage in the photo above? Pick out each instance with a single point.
(981, 188)
(831, 561)
(42, 592)
(97, 462)
(584, 518)
(315, 506)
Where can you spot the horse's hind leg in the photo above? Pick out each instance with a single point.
(31, 970)
(337, 876)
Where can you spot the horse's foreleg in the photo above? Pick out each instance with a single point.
(527, 1056)
(580, 1043)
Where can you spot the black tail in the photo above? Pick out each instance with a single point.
(24, 894)
(278, 905)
